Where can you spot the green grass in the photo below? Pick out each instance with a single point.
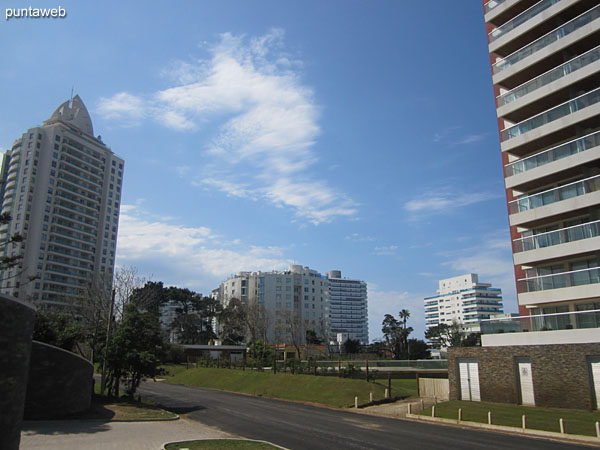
(547, 419)
(220, 444)
(325, 390)
(123, 408)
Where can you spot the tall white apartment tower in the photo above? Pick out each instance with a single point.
(62, 188)
(348, 312)
(545, 58)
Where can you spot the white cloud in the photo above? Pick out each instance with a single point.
(267, 122)
(444, 199)
(385, 250)
(357, 237)
(188, 253)
(126, 108)
(470, 139)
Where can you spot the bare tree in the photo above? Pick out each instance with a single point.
(295, 330)
(257, 322)
(92, 311)
(125, 282)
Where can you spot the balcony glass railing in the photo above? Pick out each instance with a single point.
(555, 35)
(520, 19)
(560, 280)
(565, 192)
(492, 4)
(553, 154)
(543, 322)
(557, 237)
(550, 76)
(558, 112)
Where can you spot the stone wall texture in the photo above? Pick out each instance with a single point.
(60, 383)
(15, 347)
(561, 375)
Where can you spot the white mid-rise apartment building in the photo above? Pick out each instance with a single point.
(297, 295)
(62, 187)
(348, 308)
(462, 299)
(327, 304)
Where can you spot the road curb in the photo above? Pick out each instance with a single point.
(513, 430)
(226, 439)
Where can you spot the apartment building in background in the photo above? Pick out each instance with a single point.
(348, 308)
(545, 58)
(62, 187)
(301, 298)
(290, 301)
(462, 299)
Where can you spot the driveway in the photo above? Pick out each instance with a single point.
(98, 435)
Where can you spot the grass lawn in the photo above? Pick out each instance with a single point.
(220, 444)
(576, 421)
(326, 390)
(122, 408)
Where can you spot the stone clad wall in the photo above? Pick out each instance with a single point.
(60, 383)
(561, 376)
(16, 328)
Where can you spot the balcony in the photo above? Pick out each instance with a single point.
(520, 19)
(556, 113)
(574, 327)
(575, 189)
(563, 280)
(546, 40)
(562, 151)
(551, 76)
(492, 4)
(558, 237)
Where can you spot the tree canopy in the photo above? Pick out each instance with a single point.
(136, 349)
(396, 334)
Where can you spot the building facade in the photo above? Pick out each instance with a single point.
(302, 298)
(348, 308)
(545, 58)
(62, 188)
(290, 301)
(462, 299)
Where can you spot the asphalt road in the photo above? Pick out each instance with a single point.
(299, 427)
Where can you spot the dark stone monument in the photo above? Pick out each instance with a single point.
(16, 328)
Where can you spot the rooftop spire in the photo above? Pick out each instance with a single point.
(74, 111)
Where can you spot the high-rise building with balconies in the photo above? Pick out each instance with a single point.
(62, 188)
(464, 300)
(348, 312)
(545, 58)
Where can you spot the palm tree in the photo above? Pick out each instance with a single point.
(404, 315)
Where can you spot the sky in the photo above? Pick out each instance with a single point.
(358, 136)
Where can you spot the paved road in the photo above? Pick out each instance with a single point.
(300, 427)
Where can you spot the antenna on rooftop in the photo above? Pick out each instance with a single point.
(71, 100)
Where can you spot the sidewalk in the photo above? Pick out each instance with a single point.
(98, 435)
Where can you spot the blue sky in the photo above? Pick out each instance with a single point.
(350, 135)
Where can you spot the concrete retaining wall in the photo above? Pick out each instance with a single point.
(60, 383)
(15, 348)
